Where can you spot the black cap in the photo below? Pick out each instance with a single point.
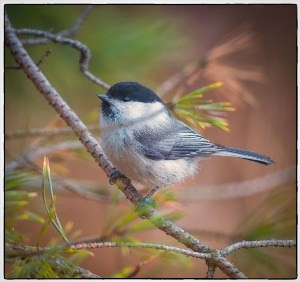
(132, 92)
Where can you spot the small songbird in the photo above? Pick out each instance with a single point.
(148, 144)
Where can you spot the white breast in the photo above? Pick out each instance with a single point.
(119, 146)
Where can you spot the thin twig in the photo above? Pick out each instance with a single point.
(178, 77)
(85, 53)
(12, 67)
(139, 266)
(257, 244)
(33, 132)
(38, 63)
(33, 153)
(42, 59)
(71, 31)
(239, 189)
(95, 245)
(211, 269)
(13, 251)
(66, 33)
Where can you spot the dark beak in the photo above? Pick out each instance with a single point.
(103, 97)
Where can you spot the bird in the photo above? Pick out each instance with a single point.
(150, 145)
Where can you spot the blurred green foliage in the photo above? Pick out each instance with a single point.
(198, 112)
(51, 263)
(16, 204)
(131, 42)
(119, 227)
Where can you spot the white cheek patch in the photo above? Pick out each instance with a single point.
(137, 113)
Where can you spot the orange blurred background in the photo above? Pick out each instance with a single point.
(264, 120)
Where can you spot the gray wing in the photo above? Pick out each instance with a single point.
(180, 141)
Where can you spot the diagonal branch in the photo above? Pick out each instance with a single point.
(56, 262)
(227, 267)
(74, 271)
(90, 143)
(199, 249)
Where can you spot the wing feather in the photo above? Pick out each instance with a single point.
(179, 141)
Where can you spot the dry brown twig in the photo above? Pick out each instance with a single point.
(139, 266)
(213, 66)
(242, 40)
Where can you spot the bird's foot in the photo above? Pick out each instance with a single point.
(146, 203)
(115, 175)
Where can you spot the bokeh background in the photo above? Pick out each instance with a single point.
(251, 49)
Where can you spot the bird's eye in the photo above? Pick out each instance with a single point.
(125, 98)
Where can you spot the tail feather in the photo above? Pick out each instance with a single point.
(244, 154)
